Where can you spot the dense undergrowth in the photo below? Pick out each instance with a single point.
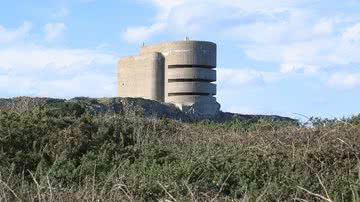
(70, 155)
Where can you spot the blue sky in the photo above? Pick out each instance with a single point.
(281, 57)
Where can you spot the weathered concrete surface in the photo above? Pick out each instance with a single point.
(188, 87)
(192, 73)
(185, 52)
(188, 70)
(142, 76)
(189, 99)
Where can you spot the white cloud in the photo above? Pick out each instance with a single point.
(16, 86)
(12, 35)
(188, 17)
(237, 77)
(87, 84)
(32, 58)
(259, 32)
(324, 27)
(344, 80)
(308, 69)
(165, 7)
(309, 55)
(352, 33)
(297, 42)
(300, 41)
(191, 18)
(141, 33)
(289, 33)
(264, 6)
(56, 72)
(54, 30)
(36, 70)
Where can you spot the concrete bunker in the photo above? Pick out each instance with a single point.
(181, 72)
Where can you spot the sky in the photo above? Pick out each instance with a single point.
(292, 58)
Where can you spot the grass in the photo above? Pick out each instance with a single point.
(74, 156)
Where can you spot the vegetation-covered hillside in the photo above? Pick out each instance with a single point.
(65, 152)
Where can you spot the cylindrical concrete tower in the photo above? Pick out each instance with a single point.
(189, 71)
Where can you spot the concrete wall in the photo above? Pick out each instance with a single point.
(205, 74)
(142, 76)
(188, 69)
(185, 68)
(185, 52)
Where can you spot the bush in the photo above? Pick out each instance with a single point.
(67, 155)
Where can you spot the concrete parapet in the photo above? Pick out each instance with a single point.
(185, 52)
(191, 88)
(189, 99)
(191, 73)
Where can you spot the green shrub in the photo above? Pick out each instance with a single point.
(64, 153)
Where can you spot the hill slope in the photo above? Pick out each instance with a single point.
(146, 108)
(76, 151)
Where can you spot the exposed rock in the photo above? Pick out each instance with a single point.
(127, 106)
(202, 110)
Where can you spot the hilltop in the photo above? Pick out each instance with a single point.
(124, 106)
(122, 149)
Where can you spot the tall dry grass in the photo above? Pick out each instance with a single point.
(49, 157)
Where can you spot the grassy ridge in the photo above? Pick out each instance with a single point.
(69, 155)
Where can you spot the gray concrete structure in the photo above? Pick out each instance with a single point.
(180, 72)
